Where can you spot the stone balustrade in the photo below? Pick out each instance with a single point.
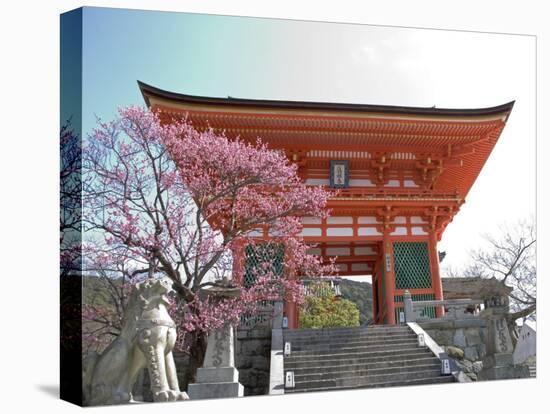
(455, 308)
(261, 318)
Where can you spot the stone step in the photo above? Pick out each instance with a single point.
(348, 338)
(362, 371)
(353, 357)
(325, 366)
(363, 357)
(357, 381)
(295, 333)
(328, 345)
(345, 331)
(401, 346)
(310, 362)
(435, 380)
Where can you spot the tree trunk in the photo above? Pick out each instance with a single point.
(513, 317)
(197, 351)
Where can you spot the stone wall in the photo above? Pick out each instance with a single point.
(463, 339)
(252, 358)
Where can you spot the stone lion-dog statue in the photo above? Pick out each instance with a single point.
(146, 341)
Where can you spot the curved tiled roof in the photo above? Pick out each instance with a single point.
(148, 90)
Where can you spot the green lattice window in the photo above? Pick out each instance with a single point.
(263, 258)
(428, 312)
(412, 265)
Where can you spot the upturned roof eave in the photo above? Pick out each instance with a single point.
(148, 90)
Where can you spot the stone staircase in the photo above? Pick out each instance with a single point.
(364, 357)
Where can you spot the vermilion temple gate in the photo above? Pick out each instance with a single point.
(402, 173)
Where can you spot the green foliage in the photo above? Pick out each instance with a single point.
(359, 293)
(322, 309)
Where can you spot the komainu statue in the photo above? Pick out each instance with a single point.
(146, 341)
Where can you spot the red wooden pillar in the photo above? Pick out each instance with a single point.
(380, 272)
(389, 277)
(238, 253)
(375, 276)
(434, 270)
(290, 310)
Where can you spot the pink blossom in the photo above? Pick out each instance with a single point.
(167, 199)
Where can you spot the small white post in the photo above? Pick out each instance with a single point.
(287, 349)
(289, 379)
(445, 366)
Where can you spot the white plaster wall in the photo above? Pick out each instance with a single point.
(359, 182)
(317, 181)
(357, 267)
(399, 231)
(362, 251)
(256, 233)
(345, 231)
(409, 183)
(311, 232)
(367, 220)
(338, 251)
(311, 220)
(340, 220)
(368, 231)
(393, 183)
(315, 251)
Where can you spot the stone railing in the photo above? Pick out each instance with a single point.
(455, 308)
(261, 318)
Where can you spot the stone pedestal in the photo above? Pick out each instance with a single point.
(501, 366)
(218, 378)
(499, 363)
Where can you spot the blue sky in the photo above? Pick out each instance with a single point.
(195, 54)
(310, 61)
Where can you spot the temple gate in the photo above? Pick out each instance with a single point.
(399, 175)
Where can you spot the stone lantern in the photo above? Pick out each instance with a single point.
(218, 377)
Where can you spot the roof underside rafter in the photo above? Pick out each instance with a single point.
(442, 149)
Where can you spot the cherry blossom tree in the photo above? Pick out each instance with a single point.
(167, 199)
